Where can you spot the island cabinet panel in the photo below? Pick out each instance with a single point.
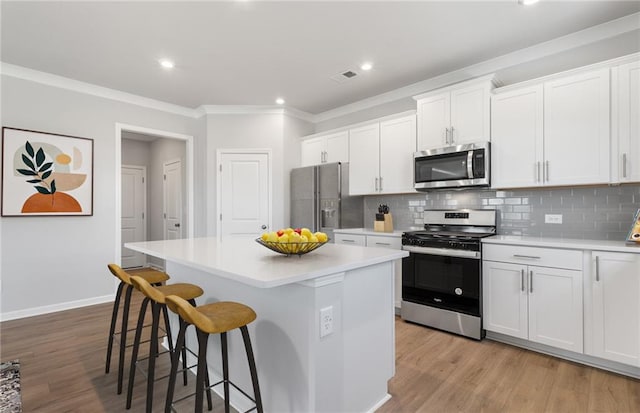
(535, 302)
(577, 129)
(626, 122)
(615, 307)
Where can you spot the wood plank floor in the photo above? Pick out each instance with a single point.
(62, 359)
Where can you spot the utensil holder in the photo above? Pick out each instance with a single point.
(387, 223)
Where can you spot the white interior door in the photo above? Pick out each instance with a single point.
(245, 198)
(172, 190)
(134, 196)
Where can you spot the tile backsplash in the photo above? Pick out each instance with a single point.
(587, 213)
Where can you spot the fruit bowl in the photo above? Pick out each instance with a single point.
(291, 248)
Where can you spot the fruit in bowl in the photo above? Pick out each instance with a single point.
(293, 241)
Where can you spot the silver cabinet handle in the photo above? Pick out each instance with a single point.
(446, 136)
(349, 240)
(522, 280)
(546, 169)
(531, 281)
(451, 140)
(624, 165)
(376, 184)
(531, 257)
(381, 183)
(537, 171)
(597, 268)
(382, 243)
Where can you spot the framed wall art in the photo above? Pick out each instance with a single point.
(634, 232)
(46, 174)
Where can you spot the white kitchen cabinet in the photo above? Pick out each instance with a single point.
(552, 134)
(329, 148)
(454, 115)
(615, 307)
(577, 129)
(526, 297)
(517, 138)
(626, 122)
(381, 157)
(350, 239)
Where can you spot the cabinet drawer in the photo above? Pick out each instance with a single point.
(384, 242)
(544, 257)
(349, 239)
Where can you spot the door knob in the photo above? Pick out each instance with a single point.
(264, 227)
(177, 225)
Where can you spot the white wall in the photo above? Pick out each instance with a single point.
(51, 263)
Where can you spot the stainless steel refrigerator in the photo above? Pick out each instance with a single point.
(320, 199)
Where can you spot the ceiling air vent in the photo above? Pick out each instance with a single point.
(344, 76)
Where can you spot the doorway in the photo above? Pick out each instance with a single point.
(154, 216)
(244, 192)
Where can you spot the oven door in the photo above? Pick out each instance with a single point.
(447, 282)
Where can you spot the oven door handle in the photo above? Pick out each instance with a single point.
(443, 252)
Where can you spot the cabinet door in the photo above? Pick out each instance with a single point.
(434, 119)
(516, 138)
(504, 298)
(615, 283)
(555, 307)
(470, 120)
(311, 151)
(381, 241)
(397, 145)
(337, 147)
(576, 129)
(364, 160)
(628, 122)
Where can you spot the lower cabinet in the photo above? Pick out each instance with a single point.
(533, 302)
(614, 307)
(379, 241)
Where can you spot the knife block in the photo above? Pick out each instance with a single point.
(385, 225)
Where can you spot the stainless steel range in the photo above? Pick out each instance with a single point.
(442, 276)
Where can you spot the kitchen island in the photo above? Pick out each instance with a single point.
(345, 370)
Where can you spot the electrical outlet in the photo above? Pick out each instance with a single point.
(553, 218)
(326, 321)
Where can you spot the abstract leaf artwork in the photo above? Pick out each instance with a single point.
(46, 174)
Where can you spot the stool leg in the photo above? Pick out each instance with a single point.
(202, 366)
(207, 385)
(225, 370)
(112, 329)
(123, 335)
(134, 351)
(165, 314)
(153, 353)
(252, 367)
(174, 365)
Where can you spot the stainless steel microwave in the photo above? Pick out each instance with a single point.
(452, 167)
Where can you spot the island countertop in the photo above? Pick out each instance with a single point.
(246, 261)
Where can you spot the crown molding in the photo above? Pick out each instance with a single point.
(20, 72)
(255, 110)
(580, 38)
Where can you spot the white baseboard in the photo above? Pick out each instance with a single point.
(380, 403)
(53, 308)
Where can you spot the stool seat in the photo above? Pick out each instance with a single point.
(222, 316)
(148, 274)
(184, 290)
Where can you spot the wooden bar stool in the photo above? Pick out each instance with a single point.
(214, 318)
(152, 276)
(156, 296)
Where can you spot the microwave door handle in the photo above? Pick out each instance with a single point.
(470, 164)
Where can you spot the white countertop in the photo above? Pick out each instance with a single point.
(246, 261)
(581, 244)
(368, 231)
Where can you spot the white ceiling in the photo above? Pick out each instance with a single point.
(250, 52)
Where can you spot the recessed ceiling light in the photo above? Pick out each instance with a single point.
(280, 101)
(527, 2)
(366, 66)
(166, 63)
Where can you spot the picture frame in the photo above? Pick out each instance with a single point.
(634, 231)
(46, 174)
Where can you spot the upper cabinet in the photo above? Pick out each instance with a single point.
(454, 115)
(556, 133)
(381, 157)
(626, 123)
(328, 148)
